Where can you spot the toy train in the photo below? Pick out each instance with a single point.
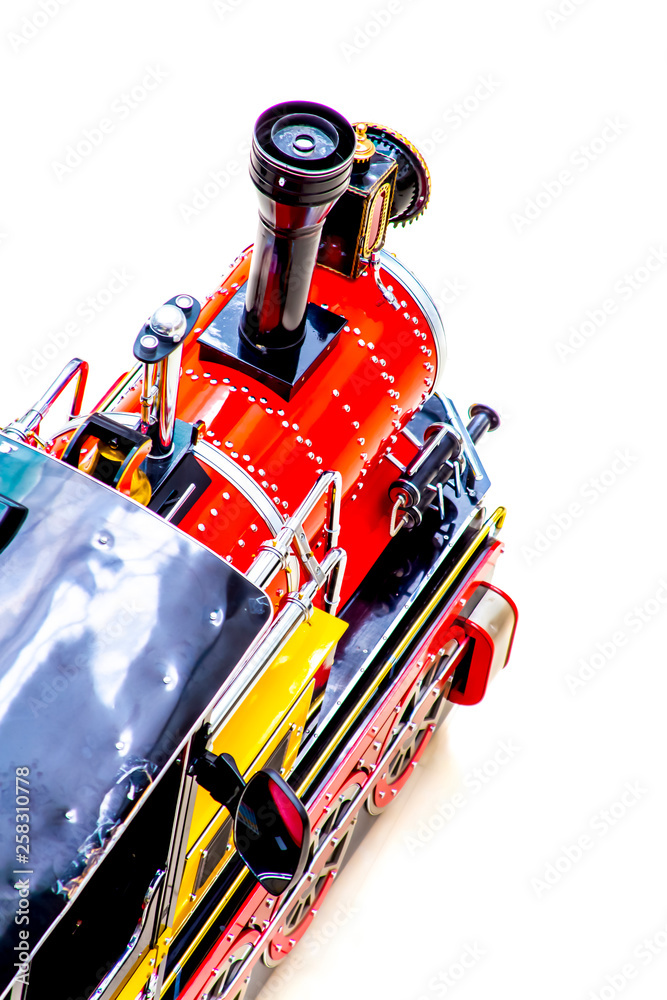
(239, 595)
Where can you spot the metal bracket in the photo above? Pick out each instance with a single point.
(387, 292)
(395, 524)
(273, 555)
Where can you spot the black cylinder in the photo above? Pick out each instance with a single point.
(484, 418)
(300, 162)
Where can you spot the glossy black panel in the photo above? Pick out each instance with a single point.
(285, 372)
(12, 516)
(117, 631)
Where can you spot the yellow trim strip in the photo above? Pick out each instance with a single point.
(221, 905)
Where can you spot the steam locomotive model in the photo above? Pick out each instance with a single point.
(239, 595)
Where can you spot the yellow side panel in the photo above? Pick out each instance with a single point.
(276, 706)
(288, 675)
(290, 730)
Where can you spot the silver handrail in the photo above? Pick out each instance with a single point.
(76, 368)
(274, 554)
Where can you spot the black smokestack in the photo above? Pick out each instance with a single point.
(300, 162)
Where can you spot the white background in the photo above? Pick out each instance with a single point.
(405, 909)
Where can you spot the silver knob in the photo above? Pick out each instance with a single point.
(169, 321)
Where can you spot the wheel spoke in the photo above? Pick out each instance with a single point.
(423, 717)
(323, 867)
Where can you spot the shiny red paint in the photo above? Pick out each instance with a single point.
(347, 416)
(483, 649)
